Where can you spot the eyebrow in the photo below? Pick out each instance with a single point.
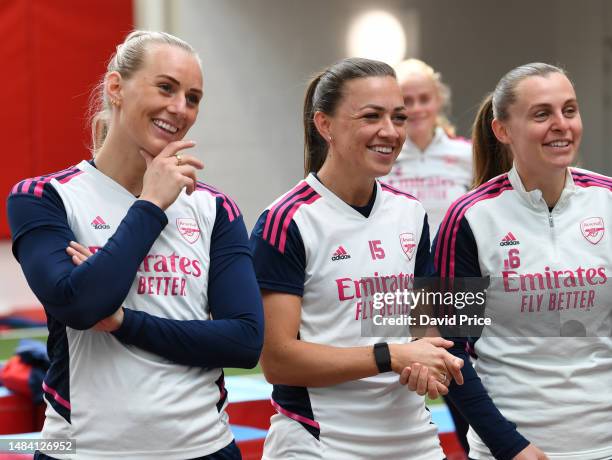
(176, 82)
(382, 109)
(546, 104)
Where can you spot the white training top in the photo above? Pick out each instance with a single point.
(126, 402)
(347, 258)
(550, 276)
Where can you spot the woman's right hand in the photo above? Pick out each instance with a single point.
(531, 452)
(431, 354)
(168, 173)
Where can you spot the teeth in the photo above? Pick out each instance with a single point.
(380, 149)
(559, 144)
(165, 126)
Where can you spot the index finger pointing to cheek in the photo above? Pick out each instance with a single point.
(173, 147)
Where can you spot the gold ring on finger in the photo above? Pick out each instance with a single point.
(179, 159)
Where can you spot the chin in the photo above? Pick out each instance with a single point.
(155, 148)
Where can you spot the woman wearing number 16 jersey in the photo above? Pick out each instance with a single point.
(540, 388)
(320, 251)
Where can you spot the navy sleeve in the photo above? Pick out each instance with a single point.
(234, 336)
(423, 265)
(499, 434)
(275, 270)
(75, 296)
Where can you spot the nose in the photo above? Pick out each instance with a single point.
(388, 129)
(560, 122)
(178, 105)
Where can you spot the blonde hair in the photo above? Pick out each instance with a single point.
(417, 67)
(127, 59)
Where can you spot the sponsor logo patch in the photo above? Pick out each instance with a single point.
(188, 228)
(592, 229)
(408, 244)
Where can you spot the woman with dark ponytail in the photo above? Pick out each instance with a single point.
(318, 252)
(546, 356)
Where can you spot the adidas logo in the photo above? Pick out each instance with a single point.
(99, 224)
(340, 254)
(509, 240)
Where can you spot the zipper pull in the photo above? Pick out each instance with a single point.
(550, 220)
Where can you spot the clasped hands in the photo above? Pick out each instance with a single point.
(426, 366)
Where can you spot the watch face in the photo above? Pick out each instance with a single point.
(382, 357)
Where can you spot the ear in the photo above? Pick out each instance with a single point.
(113, 84)
(323, 124)
(501, 131)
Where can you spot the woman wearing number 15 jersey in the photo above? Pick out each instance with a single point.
(320, 251)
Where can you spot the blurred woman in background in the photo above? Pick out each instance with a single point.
(435, 166)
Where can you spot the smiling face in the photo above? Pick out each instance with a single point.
(159, 102)
(543, 128)
(368, 127)
(423, 103)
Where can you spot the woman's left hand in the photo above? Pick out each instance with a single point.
(79, 254)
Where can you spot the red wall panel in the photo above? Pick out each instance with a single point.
(55, 54)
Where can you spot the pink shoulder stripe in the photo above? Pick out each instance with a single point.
(289, 218)
(281, 205)
(228, 204)
(387, 188)
(63, 180)
(591, 180)
(39, 182)
(56, 396)
(294, 416)
(444, 259)
(281, 213)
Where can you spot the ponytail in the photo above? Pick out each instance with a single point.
(491, 157)
(315, 147)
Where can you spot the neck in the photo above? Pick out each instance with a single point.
(423, 139)
(124, 165)
(551, 185)
(353, 189)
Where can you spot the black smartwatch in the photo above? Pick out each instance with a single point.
(382, 356)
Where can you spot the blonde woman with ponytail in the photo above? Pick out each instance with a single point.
(140, 330)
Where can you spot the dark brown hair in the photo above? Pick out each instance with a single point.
(324, 93)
